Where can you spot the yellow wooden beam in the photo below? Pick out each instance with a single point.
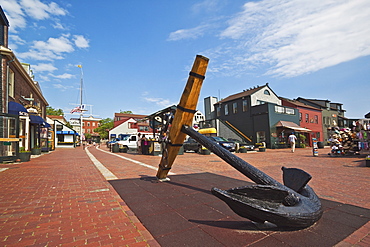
(184, 115)
(9, 139)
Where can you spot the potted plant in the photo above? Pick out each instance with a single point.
(24, 155)
(36, 150)
(242, 149)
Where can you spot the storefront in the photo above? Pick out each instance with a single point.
(64, 136)
(19, 110)
(9, 137)
(285, 128)
(39, 133)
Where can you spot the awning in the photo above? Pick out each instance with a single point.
(16, 109)
(39, 120)
(293, 126)
(66, 133)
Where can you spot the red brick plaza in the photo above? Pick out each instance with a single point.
(76, 197)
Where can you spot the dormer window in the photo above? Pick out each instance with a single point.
(267, 92)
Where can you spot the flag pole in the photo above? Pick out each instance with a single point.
(81, 111)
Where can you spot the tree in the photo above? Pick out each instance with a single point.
(125, 112)
(55, 112)
(105, 125)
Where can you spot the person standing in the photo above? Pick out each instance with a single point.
(144, 145)
(139, 144)
(292, 140)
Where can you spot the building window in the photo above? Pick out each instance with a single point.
(279, 109)
(307, 118)
(289, 111)
(143, 128)
(226, 110)
(316, 119)
(245, 105)
(218, 111)
(11, 83)
(260, 102)
(235, 108)
(88, 124)
(93, 124)
(267, 92)
(300, 117)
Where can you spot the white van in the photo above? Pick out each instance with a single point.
(129, 141)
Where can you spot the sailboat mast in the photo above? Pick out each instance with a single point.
(81, 110)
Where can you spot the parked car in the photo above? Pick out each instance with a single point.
(240, 144)
(223, 142)
(192, 145)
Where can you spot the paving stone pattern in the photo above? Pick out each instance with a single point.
(61, 199)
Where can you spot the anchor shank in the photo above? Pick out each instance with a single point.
(242, 166)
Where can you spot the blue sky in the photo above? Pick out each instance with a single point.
(136, 55)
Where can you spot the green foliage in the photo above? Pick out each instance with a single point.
(23, 150)
(88, 135)
(302, 137)
(55, 112)
(125, 112)
(105, 125)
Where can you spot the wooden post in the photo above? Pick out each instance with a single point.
(184, 115)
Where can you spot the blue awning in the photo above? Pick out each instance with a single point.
(16, 108)
(66, 133)
(39, 120)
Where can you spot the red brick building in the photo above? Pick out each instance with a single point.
(21, 101)
(309, 118)
(140, 125)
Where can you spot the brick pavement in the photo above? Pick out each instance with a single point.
(61, 199)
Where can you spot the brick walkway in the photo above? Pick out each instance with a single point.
(61, 198)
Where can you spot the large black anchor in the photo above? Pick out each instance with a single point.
(293, 204)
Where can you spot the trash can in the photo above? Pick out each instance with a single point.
(320, 144)
(115, 148)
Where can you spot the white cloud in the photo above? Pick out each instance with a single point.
(58, 25)
(43, 67)
(14, 13)
(158, 101)
(62, 87)
(192, 33)
(297, 37)
(17, 39)
(63, 76)
(207, 6)
(17, 11)
(40, 10)
(81, 41)
(53, 48)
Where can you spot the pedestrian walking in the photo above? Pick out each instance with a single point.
(292, 140)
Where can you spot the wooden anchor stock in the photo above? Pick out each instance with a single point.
(184, 115)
